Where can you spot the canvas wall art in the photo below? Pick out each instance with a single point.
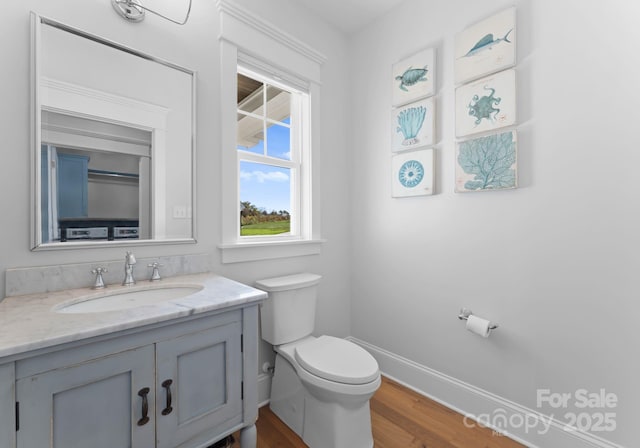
(486, 104)
(412, 173)
(487, 163)
(486, 47)
(414, 77)
(413, 125)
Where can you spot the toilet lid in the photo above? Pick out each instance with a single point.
(337, 360)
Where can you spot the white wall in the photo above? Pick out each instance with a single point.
(194, 46)
(554, 262)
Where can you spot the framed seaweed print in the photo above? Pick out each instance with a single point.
(486, 47)
(487, 104)
(413, 125)
(412, 173)
(487, 163)
(414, 77)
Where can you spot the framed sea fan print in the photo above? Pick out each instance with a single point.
(487, 163)
(486, 47)
(414, 77)
(413, 125)
(487, 104)
(412, 173)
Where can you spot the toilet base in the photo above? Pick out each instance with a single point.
(320, 424)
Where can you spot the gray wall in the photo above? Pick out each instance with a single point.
(554, 262)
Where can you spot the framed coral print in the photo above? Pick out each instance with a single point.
(487, 104)
(486, 47)
(413, 125)
(414, 77)
(412, 173)
(487, 163)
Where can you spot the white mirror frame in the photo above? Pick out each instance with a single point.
(37, 22)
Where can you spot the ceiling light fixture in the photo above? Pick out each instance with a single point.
(133, 11)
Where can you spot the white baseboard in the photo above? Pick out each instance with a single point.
(505, 417)
(264, 389)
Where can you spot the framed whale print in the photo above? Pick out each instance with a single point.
(486, 104)
(486, 47)
(414, 77)
(487, 163)
(413, 125)
(412, 173)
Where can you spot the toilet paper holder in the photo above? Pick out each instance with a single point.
(465, 313)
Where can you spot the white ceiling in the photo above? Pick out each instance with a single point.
(350, 15)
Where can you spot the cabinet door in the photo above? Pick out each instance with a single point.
(7, 406)
(73, 185)
(94, 404)
(204, 370)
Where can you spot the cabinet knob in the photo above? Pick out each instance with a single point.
(167, 385)
(145, 406)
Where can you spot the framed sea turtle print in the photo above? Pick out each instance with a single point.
(413, 77)
(486, 47)
(412, 173)
(486, 104)
(487, 163)
(413, 125)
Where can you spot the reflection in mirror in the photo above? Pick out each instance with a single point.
(114, 152)
(95, 180)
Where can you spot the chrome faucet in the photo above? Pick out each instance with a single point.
(129, 261)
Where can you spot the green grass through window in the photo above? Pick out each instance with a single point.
(265, 228)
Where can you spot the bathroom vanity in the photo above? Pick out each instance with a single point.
(175, 373)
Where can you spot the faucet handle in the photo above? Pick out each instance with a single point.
(130, 258)
(155, 275)
(99, 283)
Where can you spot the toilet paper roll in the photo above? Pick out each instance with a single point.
(479, 326)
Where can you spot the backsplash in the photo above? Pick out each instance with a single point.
(33, 280)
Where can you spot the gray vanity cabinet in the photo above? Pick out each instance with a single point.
(7, 408)
(176, 386)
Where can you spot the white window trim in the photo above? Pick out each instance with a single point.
(242, 35)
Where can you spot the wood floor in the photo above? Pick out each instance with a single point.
(401, 419)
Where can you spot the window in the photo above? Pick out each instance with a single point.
(270, 160)
(270, 149)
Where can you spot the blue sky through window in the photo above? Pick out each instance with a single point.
(279, 140)
(265, 186)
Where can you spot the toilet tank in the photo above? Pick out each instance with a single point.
(289, 312)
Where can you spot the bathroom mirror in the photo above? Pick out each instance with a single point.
(113, 143)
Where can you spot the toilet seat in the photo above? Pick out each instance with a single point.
(337, 360)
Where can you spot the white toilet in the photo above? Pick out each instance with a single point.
(321, 386)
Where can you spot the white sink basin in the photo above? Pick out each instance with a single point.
(127, 298)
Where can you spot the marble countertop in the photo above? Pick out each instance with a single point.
(30, 322)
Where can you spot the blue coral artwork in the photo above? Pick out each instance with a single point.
(486, 47)
(414, 77)
(487, 163)
(487, 104)
(413, 125)
(412, 173)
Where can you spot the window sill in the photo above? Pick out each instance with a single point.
(266, 250)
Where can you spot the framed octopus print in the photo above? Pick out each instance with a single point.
(487, 104)
(414, 77)
(412, 173)
(486, 47)
(413, 125)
